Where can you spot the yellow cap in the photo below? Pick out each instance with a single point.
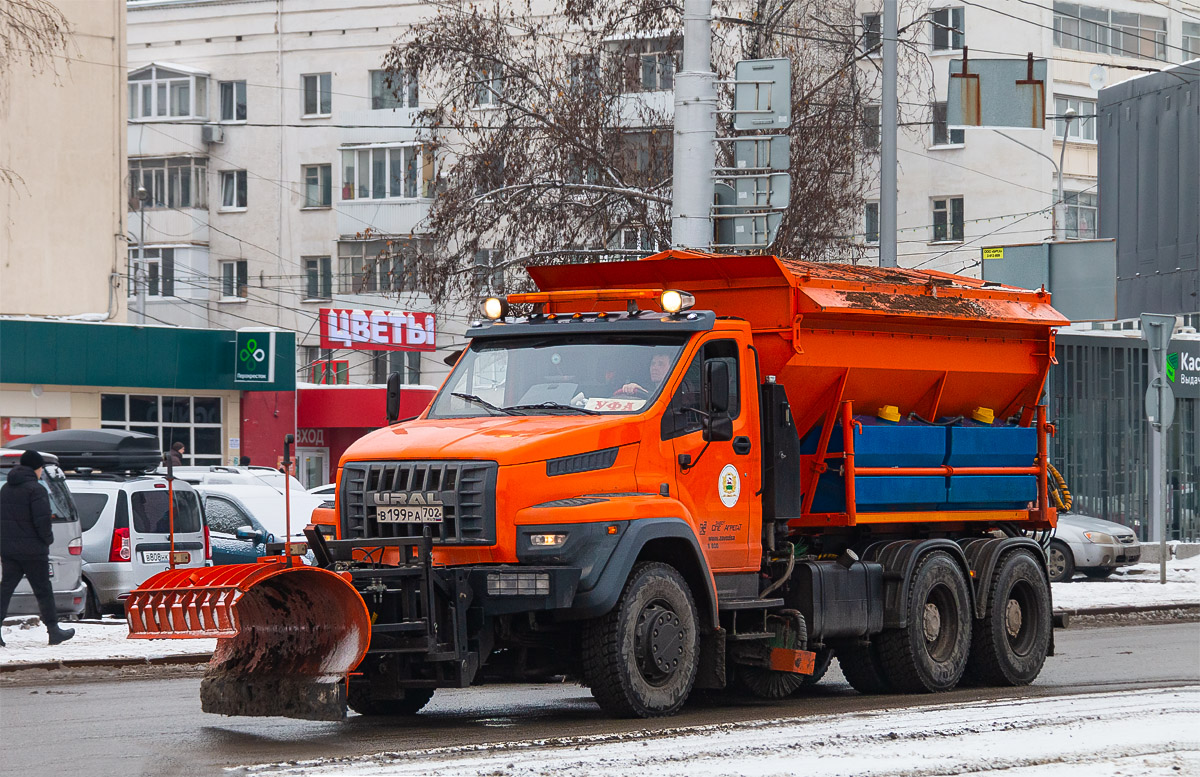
(984, 415)
(889, 413)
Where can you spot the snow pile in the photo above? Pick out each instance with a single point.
(1134, 586)
(27, 643)
(1090, 735)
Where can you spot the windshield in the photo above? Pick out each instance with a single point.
(585, 375)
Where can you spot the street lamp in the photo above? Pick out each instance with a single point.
(1060, 209)
(139, 279)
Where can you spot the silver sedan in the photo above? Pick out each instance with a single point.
(1092, 546)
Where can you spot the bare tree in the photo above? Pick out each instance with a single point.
(552, 127)
(31, 31)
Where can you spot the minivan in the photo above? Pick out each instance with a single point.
(66, 553)
(126, 533)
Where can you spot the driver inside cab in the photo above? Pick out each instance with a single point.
(660, 367)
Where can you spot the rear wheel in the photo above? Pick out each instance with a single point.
(1060, 562)
(408, 704)
(1009, 644)
(930, 654)
(91, 603)
(1098, 573)
(863, 668)
(640, 659)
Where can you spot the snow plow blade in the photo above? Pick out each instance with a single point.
(287, 636)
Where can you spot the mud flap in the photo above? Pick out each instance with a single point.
(287, 636)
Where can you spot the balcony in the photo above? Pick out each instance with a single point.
(388, 217)
(170, 227)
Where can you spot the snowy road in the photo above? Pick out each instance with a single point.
(154, 727)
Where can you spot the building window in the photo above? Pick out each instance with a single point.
(489, 270)
(193, 421)
(159, 272)
(872, 31)
(1083, 210)
(178, 182)
(330, 372)
(309, 355)
(1083, 126)
(318, 94)
(942, 134)
(373, 266)
(407, 363)
(656, 66)
(872, 223)
(318, 186)
(1105, 31)
(392, 90)
(948, 220)
(156, 92)
(233, 189)
(872, 128)
(948, 29)
(489, 84)
(233, 279)
(1191, 40)
(233, 101)
(399, 172)
(318, 280)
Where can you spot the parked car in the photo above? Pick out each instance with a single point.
(329, 489)
(126, 533)
(1089, 545)
(219, 474)
(66, 553)
(244, 517)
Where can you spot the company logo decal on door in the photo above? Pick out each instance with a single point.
(729, 485)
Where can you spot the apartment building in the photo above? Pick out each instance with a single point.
(275, 163)
(960, 190)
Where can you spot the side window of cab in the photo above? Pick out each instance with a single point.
(683, 415)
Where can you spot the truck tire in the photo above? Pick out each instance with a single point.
(770, 684)
(409, 704)
(1060, 562)
(863, 668)
(930, 655)
(1009, 644)
(640, 659)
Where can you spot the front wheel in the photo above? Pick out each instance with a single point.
(1060, 562)
(640, 659)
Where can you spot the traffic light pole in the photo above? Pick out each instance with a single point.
(695, 132)
(887, 142)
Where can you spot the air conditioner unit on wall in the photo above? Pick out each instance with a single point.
(212, 133)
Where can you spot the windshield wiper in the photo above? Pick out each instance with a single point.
(482, 403)
(552, 406)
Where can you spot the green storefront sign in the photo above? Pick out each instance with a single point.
(157, 357)
(255, 357)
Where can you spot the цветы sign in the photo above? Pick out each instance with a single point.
(377, 330)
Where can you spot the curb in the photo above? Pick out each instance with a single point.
(1062, 618)
(184, 659)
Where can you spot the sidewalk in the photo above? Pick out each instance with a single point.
(1132, 587)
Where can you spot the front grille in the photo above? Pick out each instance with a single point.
(1126, 539)
(466, 489)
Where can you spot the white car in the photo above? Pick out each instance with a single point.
(329, 489)
(1089, 545)
(244, 517)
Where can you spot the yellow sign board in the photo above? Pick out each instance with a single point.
(993, 253)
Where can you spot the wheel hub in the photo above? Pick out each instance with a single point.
(660, 641)
(1013, 618)
(933, 622)
(1056, 562)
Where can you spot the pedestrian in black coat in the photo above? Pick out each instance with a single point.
(175, 456)
(25, 539)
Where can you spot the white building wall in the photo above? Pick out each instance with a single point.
(271, 46)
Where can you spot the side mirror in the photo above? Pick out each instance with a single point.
(718, 428)
(393, 398)
(715, 391)
(247, 533)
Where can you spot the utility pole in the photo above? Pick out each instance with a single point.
(887, 145)
(695, 132)
(139, 272)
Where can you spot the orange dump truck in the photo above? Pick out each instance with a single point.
(682, 472)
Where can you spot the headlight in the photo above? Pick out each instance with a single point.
(1099, 537)
(674, 301)
(494, 307)
(547, 540)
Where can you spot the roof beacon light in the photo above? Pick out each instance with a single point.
(673, 301)
(494, 308)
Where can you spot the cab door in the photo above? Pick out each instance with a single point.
(718, 483)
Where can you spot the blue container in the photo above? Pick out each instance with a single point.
(991, 446)
(885, 444)
(990, 492)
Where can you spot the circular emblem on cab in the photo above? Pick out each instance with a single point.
(729, 485)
